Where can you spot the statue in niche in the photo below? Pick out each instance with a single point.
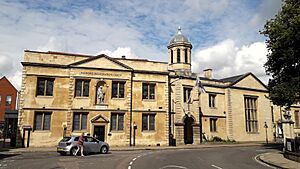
(100, 94)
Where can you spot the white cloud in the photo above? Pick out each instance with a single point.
(5, 63)
(228, 59)
(53, 44)
(126, 51)
(132, 28)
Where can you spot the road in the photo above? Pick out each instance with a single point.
(207, 158)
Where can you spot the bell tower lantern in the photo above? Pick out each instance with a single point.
(179, 50)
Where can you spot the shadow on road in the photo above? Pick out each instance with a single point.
(274, 146)
(3, 156)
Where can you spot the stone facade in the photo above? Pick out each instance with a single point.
(141, 102)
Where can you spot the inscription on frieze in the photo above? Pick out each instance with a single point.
(101, 74)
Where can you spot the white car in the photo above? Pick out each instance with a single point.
(68, 145)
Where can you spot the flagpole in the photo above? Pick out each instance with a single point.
(200, 122)
(200, 90)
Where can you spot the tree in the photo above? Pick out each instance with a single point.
(283, 63)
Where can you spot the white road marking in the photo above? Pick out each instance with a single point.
(260, 150)
(262, 163)
(129, 167)
(134, 159)
(130, 163)
(173, 166)
(216, 166)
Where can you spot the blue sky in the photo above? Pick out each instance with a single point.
(224, 33)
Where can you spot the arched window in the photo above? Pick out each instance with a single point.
(171, 56)
(186, 55)
(178, 55)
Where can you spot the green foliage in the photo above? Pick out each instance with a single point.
(219, 139)
(283, 64)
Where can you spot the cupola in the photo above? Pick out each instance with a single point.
(180, 52)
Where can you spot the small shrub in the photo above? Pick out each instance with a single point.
(217, 139)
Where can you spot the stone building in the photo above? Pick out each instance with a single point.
(136, 101)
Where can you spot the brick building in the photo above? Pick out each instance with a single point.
(8, 97)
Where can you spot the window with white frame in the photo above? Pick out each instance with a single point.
(42, 120)
(80, 120)
(117, 121)
(297, 121)
(148, 122)
(251, 114)
(148, 91)
(212, 100)
(82, 88)
(213, 124)
(187, 94)
(45, 86)
(8, 100)
(118, 90)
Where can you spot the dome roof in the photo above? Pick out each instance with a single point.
(179, 38)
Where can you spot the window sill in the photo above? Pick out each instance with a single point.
(117, 131)
(149, 131)
(149, 100)
(213, 107)
(252, 132)
(41, 131)
(79, 131)
(81, 97)
(116, 98)
(214, 131)
(39, 96)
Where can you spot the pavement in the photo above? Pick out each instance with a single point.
(274, 159)
(277, 160)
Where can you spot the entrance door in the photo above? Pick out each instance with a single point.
(99, 132)
(188, 130)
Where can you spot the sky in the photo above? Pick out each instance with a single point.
(224, 33)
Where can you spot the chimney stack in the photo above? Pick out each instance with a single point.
(207, 73)
(123, 57)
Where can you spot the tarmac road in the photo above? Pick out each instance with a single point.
(206, 158)
(215, 158)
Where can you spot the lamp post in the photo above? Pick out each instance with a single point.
(134, 129)
(266, 127)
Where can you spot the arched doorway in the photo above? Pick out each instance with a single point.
(188, 130)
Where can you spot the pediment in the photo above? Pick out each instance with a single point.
(250, 81)
(101, 61)
(99, 119)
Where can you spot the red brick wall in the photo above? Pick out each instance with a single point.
(6, 89)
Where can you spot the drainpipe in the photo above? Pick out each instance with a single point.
(130, 132)
(170, 113)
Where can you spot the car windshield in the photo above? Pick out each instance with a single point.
(65, 139)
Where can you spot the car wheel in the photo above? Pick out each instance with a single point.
(73, 151)
(63, 153)
(103, 150)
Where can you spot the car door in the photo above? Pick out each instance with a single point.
(93, 144)
(86, 145)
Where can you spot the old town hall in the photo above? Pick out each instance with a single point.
(139, 102)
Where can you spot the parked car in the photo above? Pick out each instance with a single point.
(68, 145)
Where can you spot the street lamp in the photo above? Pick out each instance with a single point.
(266, 127)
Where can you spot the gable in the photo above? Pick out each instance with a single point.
(7, 85)
(250, 81)
(99, 119)
(100, 62)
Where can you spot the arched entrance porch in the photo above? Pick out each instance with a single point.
(188, 130)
